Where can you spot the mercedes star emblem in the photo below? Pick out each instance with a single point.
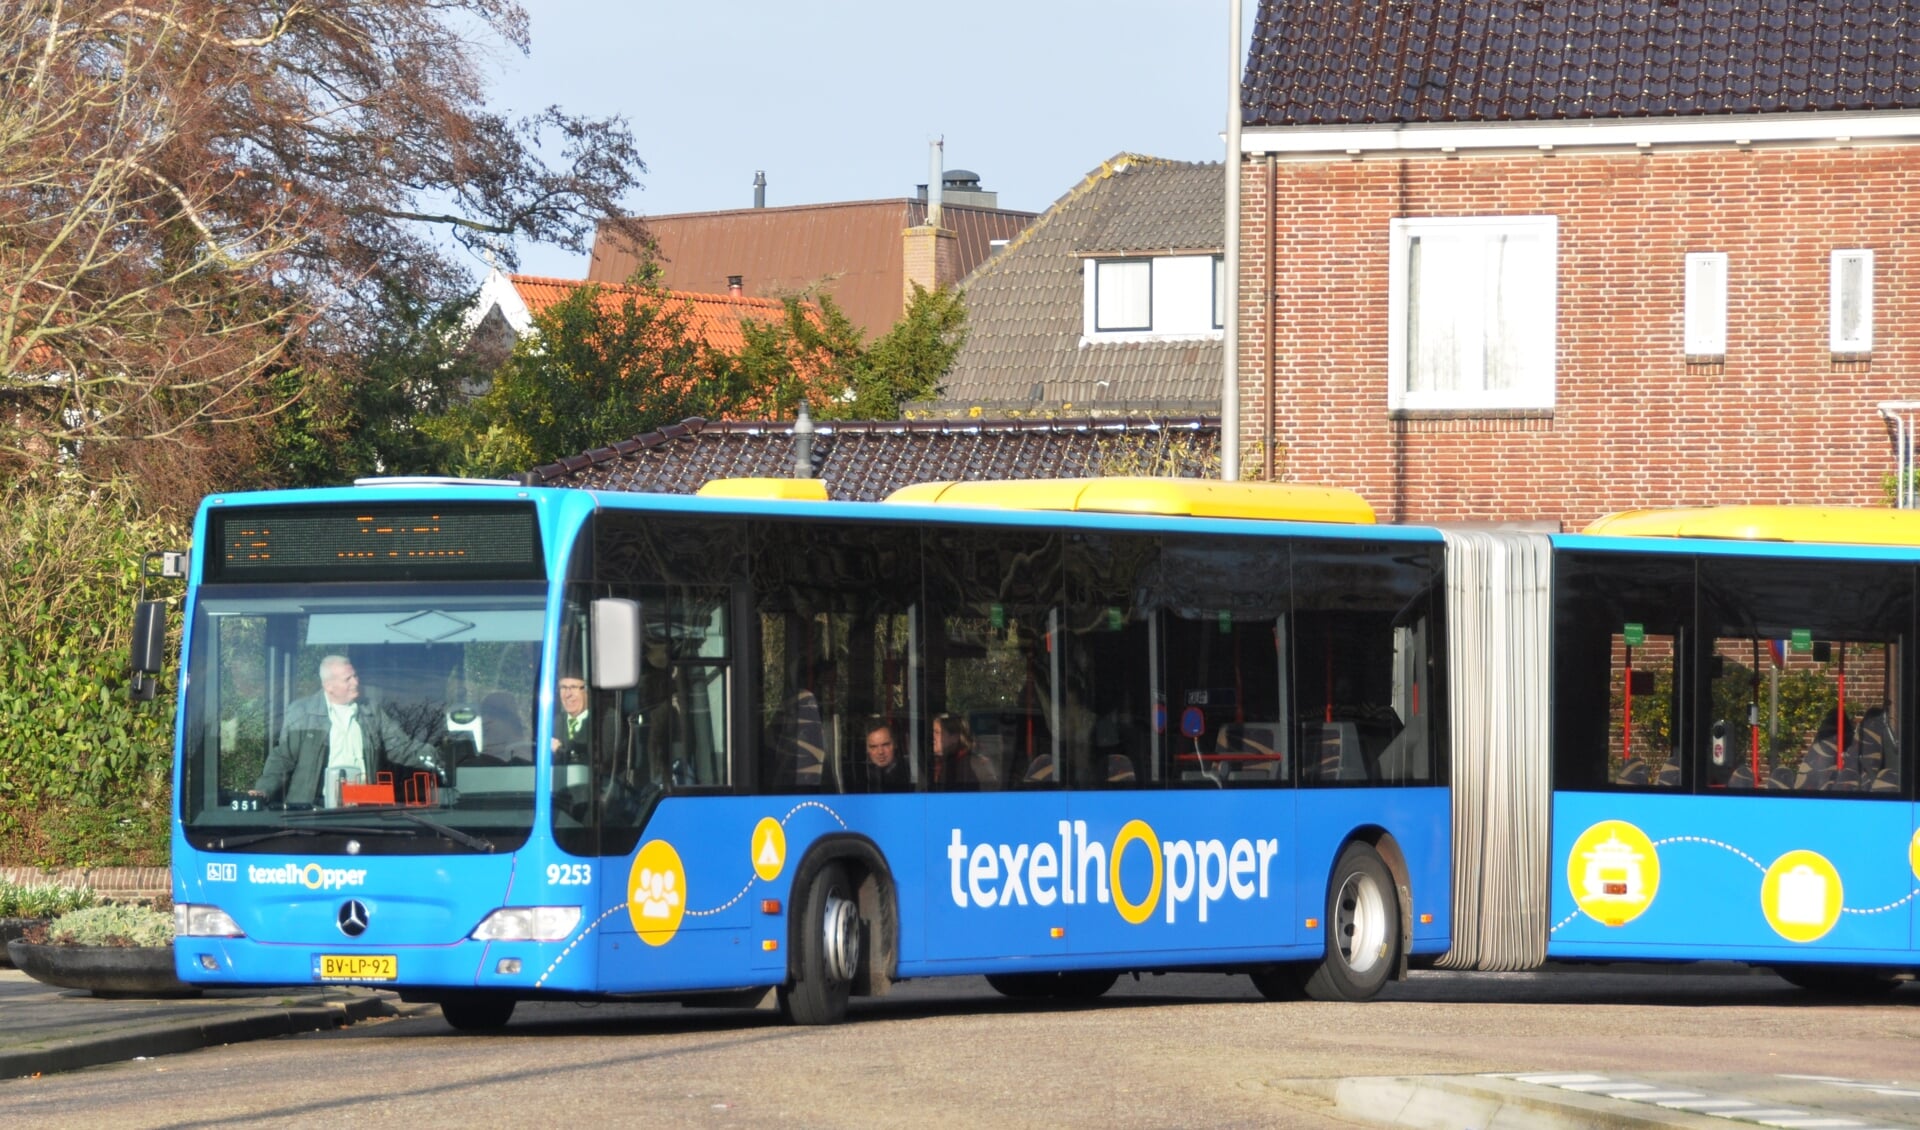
(353, 918)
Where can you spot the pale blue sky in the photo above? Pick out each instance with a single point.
(838, 99)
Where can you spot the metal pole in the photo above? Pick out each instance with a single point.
(1230, 328)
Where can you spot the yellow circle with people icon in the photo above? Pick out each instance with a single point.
(1614, 872)
(656, 892)
(1801, 896)
(769, 849)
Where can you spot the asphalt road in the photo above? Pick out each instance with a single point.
(1179, 1050)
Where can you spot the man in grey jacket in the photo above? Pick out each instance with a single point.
(335, 730)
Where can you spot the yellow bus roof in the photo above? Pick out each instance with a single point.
(1190, 498)
(1845, 525)
(785, 490)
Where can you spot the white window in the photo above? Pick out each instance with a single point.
(1850, 307)
(1472, 312)
(1706, 304)
(1219, 292)
(1123, 290)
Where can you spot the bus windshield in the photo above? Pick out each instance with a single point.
(399, 717)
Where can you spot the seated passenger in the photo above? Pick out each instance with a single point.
(335, 731)
(884, 770)
(956, 766)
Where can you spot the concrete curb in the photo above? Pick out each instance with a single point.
(1450, 1102)
(166, 1038)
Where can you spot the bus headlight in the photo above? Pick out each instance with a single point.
(192, 920)
(527, 924)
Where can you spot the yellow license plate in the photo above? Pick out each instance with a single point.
(359, 967)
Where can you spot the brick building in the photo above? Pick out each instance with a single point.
(1539, 261)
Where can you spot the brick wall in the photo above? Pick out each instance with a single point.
(1633, 424)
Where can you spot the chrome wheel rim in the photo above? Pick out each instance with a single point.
(840, 939)
(1360, 923)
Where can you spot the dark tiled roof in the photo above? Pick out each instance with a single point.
(1356, 62)
(866, 461)
(1024, 316)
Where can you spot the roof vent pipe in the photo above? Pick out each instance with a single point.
(759, 188)
(735, 285)
(936, 182)
(803, 443)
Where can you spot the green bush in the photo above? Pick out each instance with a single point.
(42, 900)
(84, 771)
(112, 926)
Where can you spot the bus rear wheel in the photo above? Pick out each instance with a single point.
(477, 1012)
(1075, 985)
(1363, 929)
(1838, 980)
(829, 951)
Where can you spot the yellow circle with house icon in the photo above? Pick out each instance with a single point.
(656, 892)
(1613, 872)
(1801, 896)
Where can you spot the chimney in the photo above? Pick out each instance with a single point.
(927, 254)
(733, 285)
(759, 188)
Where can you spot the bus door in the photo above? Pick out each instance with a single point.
(994, 771)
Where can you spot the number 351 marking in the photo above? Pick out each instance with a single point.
(570, 874)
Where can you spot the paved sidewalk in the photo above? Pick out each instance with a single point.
(44, 1029)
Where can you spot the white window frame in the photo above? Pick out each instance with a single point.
(1841, 337)
(1535, 393)
(1099, 269)
(1706, 304)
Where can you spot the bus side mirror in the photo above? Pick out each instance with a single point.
(1641, 682)
(149, 647)
(616, 643)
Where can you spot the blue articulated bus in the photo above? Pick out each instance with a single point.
(484, 743)
(1135, 726)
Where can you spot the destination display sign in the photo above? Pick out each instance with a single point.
(390, 541)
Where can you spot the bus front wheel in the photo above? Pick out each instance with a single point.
(1363, 929)
(475, 1012)
(829, 951)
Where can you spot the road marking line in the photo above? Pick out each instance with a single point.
(1609, 1086)
(1809, 1123)
(1709, 1106)
(1663, 1097)
(1553, 1080)
(1762, 1115)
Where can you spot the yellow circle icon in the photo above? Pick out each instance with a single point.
(769, 849)
(1613, 872)
(1801, 896)
(656, 892)
(1133, 912)
(1913, 854)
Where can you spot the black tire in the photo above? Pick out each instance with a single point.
(1363, 929)
(829, 951)
(477, 1012)
(1282, 982)
(1857, 981)
(1074, 985)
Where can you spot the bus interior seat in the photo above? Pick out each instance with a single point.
(1120, 769)
(1040, 773)
(1251, 751)
(800, 742)
(1341, 756)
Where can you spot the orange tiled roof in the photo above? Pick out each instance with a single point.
(713, 318)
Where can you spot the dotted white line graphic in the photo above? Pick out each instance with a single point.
(1716, 843)
(1563, 922)
(582, 936)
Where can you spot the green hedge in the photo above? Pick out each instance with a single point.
(83, 770)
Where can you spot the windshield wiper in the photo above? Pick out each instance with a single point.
(225, 843)
(452, 833)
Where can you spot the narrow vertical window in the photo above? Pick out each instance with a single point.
(1706, 304)
(1219, 292)
(1850, 312)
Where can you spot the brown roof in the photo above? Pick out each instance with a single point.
(713, 318)
(1338, 62)
(851, 250)
(1024, 354)
(867, 461)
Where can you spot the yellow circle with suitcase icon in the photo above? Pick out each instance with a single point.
(1801, 896)
(1613, 872)
(656, 892)
(769, 847)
